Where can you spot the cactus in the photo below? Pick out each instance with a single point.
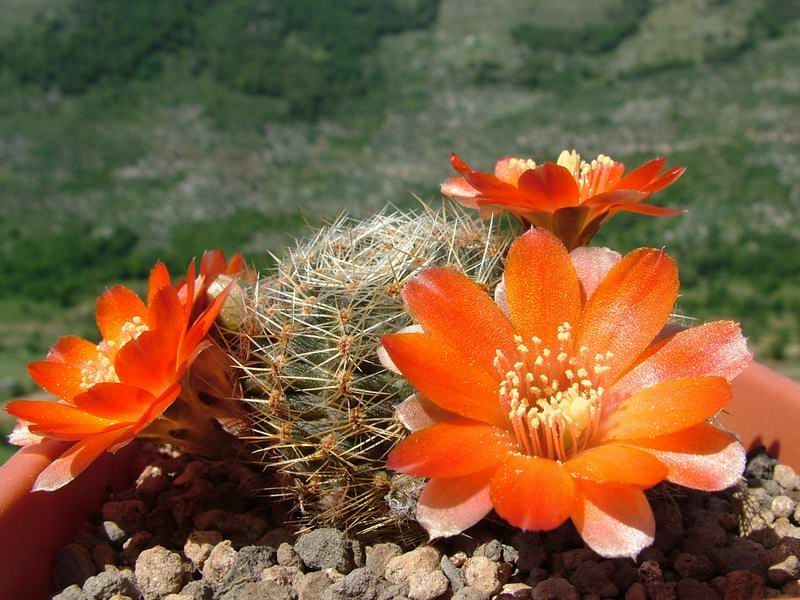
(321, 405)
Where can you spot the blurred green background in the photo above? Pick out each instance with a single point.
(136, 130)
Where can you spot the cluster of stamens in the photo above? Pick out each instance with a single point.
(101, 370)
(592, 177)
(554, 396)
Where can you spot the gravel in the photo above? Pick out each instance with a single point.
(194, 530)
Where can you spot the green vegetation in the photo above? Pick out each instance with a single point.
(130, 131)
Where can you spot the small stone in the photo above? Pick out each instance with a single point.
(258, 590)
(740, 555)
(510, 554)
(360, 584)
(515, 591)
(636, 591)
(650, 572)
(693, 566)
(199, 545)
(287, 557)
(248, 566)
(151, 481)
(72, 564)
(783, 572)
(73, 592)
(785, 476)
(358, 553)
(173, 597)
(531, 552)
(743, 585)
(110, 582)
(784, 528)
(459, 558)
(493, 550)
(379, 556)
(275, 537)
(691, 589)
(241, 529)
(198, 590)
(324, 548)
(783, 506)
(114, 533)
(218, 563)
(791, 589)
(625, 573)
(484, 574)
(665, 590)
(312, 585)
(128, 514)
(285, 576)
(133, 546)
(468, 593)
(453, 574)
(555, 588)
(591, 577)
(103, 554)
(159, 572)
(421, 570)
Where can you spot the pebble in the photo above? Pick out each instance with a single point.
(312, 585)
(515, 591)
(129, 515)
(324, 548)
(199, 545)
(468, 593)
(783, 506)
(786, 477)
(218, 563)
(743, 585)
(258, 590)
(555, 588)
(72, 592)
(692, 589)
(359, 584)
(287, 557)
(159, 572)
(592, 577)
(421, 570)
(110, 582)
(485, 575)
(693, 566)
(785, 571)
(248, 565)
(286, 576)
(379, 555)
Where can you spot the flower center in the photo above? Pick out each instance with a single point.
(101, 370)
(592, 177)
(554, 395)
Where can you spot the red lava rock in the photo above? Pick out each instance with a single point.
(743, 585)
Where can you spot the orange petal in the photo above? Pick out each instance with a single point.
(701, 457)
(148, 362)
(716, 348)
(618, 464)
(532, 493)
(75, 460)
(641, 175)
(59, 379)
(618, 197)
(58, 420)
(458, 188)
(449, 506)
(115, 308)
(487, 184)
(441, 375)
(115, 401)
(509, 169)
(541, 286)
(629, 307)
(167, 315)
(157, 408)
(453, 308)
(613, 520)
(159, 278)
(592, 264)
(213, 263)
(73, 351)
(550, 187)
(457, 447)
(667, 407)
(667, 178)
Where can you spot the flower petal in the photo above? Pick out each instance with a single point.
(72, 350)
(58, 420)
(618, 464)
(159, 278)
(457, 447)
(549, 187)
(613, 520)
(629, 307)
(115, 401)
(416, 412)
(639, 177)
(383, 356)
(454, 308)
(440, 374)
(701, 457)
(716, 348)
(148, 362)
(449, 506)
(592, 264)
(667, 178)
(541, 286)
(509, 169)
(59, 379)
(532, 493)
(115, 308)
(666, 408)
(75, 460)
(459, 189)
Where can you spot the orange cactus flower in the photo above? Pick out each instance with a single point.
(114, 390)
(563, 398)
(570, 197)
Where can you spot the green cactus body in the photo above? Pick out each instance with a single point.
(321, 404)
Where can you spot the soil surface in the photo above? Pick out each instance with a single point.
(189, 529)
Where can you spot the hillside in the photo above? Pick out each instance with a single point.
(188, 147)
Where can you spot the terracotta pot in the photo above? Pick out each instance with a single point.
(765, 410)
(34, 525)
